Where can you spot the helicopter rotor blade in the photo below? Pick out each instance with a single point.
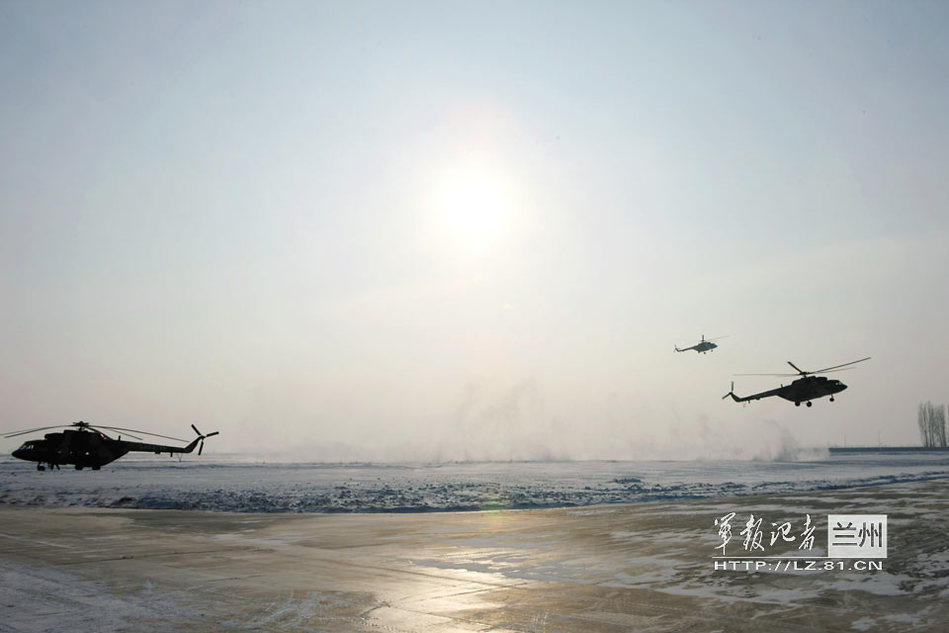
(42, 428)
(130, 431)
(201, 447)
(798, 369)
(95, 429)
(835, 367)
(81, 425)
(778, 375)
(213, 433)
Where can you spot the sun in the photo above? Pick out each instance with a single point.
(474, 207)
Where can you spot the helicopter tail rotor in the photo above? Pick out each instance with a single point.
(202, 437)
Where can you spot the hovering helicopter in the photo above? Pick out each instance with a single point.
(806, 388)
(83, 444)
(702, 346)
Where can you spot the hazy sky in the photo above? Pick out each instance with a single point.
(473, 230)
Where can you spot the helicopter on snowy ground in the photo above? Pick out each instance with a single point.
(702, 346)
(82, 444)
(806, 388)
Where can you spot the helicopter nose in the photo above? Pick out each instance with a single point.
(18, 453)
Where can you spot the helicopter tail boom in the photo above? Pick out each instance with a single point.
(171, 450)
(754, 396)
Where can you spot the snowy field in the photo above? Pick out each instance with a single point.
(335, 567)
(633, 567)
(242, 484)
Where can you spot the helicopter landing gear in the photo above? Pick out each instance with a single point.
(40, 467)
(831, 398)
(797, 404)
(809, 403)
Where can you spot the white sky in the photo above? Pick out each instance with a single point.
(459, 230)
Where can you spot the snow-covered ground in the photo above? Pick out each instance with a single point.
(636, 567)
(242, 484)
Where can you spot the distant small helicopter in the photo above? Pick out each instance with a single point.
(806, 388)
(702, 346)
(83, 444)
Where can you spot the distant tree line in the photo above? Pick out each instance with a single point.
(932, 424)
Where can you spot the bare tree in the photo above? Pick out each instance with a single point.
(923, 420)
(939, 425)
(932, 425)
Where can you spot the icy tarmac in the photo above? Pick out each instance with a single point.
(647, 566)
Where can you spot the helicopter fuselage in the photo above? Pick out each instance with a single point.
(79, 448)
(803, 389)
(810, 388)
(704, 346)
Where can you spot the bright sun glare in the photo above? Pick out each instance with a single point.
(474, 207)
